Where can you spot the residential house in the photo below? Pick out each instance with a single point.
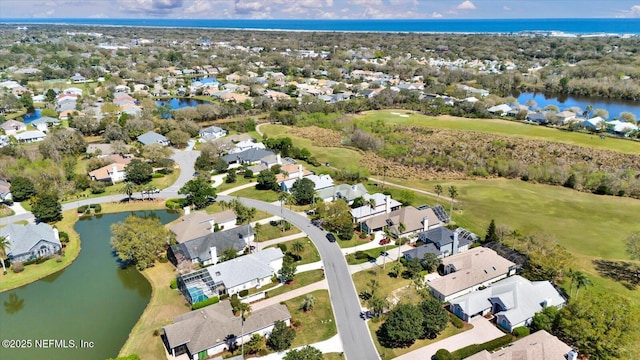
(30, 136)
(440, 241)
(152, 137)
(539, 345)
(31, 241)
(212, 133)
(208, 249)
(5, 190)
(12, 127)
(266, 163)
(112, 173)
(564, 117)
(501, 109)
(595, 123)
(4, 140)
(350, 192)
(320, 183)
(77, 78)
(468, 271)
(540, 117)
(231, 276)
(213, 329)
(43, 123)
(513, 301)
(200, 223)
(246, 145)
(403, 222)
(249, 157)
(620, 127)
(292, 171)
(103, 150)
(374, 204)
(73, 91)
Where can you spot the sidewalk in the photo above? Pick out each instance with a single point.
(320, 285)
(380, 261)
(308, 267)
(218, 180)
(482, 331)
(18, 209)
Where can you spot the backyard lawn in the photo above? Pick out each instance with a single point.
(502, 127)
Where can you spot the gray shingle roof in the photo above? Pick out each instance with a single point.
(199, 247)
(24, 237)
(151, 137)
(249, 155)
(244, 269)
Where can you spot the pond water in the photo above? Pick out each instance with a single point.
(179, 103)
(613, 106)
(93, 299)
(32, 116)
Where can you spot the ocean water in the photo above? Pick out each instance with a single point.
(574, 26)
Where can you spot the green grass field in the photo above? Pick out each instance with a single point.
(309, 254)
(270, 232)
(315, 325)
(301, 279)
(502, 127)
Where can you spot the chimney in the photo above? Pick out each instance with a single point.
(213, 224)
(425, 223)
(114, 169)
(455, 243)
(300, 172)
(278, 159)
(187, 210)
(214, 254)
(387, 204)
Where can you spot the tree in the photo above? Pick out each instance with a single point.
(402, 328)
(633, 245)
(628, 117)
(396, 269)
(491, 234)
(430, 262)
(62, 142)
(337, 218)
(129, 188)
(281, 336)
(21, 188)
(377, 304)
(453, 193)
(245, 312)
(443, 354)
(600, 325)
(435, 317)
(602, 113)
(303, 190)
(47, 208)
(178, 138)
(140, 240)
(308, 303)
(297, 247)
(231, 177)
(138, 172)
(288, 270)
(198, 192)
(5, 245)
(547, 320)
(228, 254)
(267, 180)
(438, 190)
(27, 101)
(547, 258)
(254, 345)
(306, 353)
(581, 281)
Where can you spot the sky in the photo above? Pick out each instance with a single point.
(320, 9)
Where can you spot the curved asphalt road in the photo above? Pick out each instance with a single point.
(356, 339)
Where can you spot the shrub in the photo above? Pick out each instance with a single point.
(456, 321)
(174, 204)
(163, 259)
(248, 174)
(96, 207)
(521, 331)
(283, 247)
(173, 284)
(443, 354)
(467, 351)
(17, 267)
(224, 296)
(156, 175)
(97, 187)
(363, 235)
(361, 255)
(83, 209)
(209, 301)
(156, 332)
(64, 237)
(244, 293)
(58, 258)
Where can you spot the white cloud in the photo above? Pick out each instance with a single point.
(635, 10)
(506, 8)
(466, 5)
(436, 14)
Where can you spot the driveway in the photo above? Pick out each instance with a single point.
(482, 331)
(344, 299)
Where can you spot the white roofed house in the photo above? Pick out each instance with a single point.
(564, 117)
(212, 133)
(30, 136)
(595, 123)
(378, 204)
(501, 109)
(513, 301)
(31, 241)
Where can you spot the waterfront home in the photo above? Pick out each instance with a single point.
(565, 117)
(200, 223)
(31, 241)
(152, 137)
(208, 249)
(539, 345)
(403, 222)
(231, 276)
(213, 329)
(77, 78)
(468, 271)
(501, 109)
(513, 301)
(112, 173)
(12, 127)
(595, 123)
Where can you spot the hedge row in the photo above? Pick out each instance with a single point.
(476, 348)
(201, 304)
(83, 209)
(456, 321)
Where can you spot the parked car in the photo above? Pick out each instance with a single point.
(384, 242)
(331, 237)
(384, 253)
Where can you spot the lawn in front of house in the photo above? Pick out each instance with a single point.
(164, 306)
(253, 193)
(312, 326)
(240, 180)
(386, 283)
(308, 255)
(372, 254)
(300, 280)
(273, 230)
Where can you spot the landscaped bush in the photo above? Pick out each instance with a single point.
(361, 255)
(443, 354)
(201, 304)
(96, 207)
(521, 331)
(244, 293)
(456, 321)
(476, 348)
(224, 296)
(17, 267)
(173, 284)
(174, 204)
(83, 209)
(163, 259)
(97, 187)
(156, 175)
(64, 237)
(363, 235)
(283, 248)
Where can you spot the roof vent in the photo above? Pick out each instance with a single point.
(217, 273)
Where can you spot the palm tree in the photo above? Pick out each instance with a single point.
(245, 312)
(129, 188)
(396, 268)
(384, 176)
(297, 247)
(572, 275)
(283, 197)
(453, 192)
(4, 246)
(438, 190)
(308, 303)
(582, 281)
